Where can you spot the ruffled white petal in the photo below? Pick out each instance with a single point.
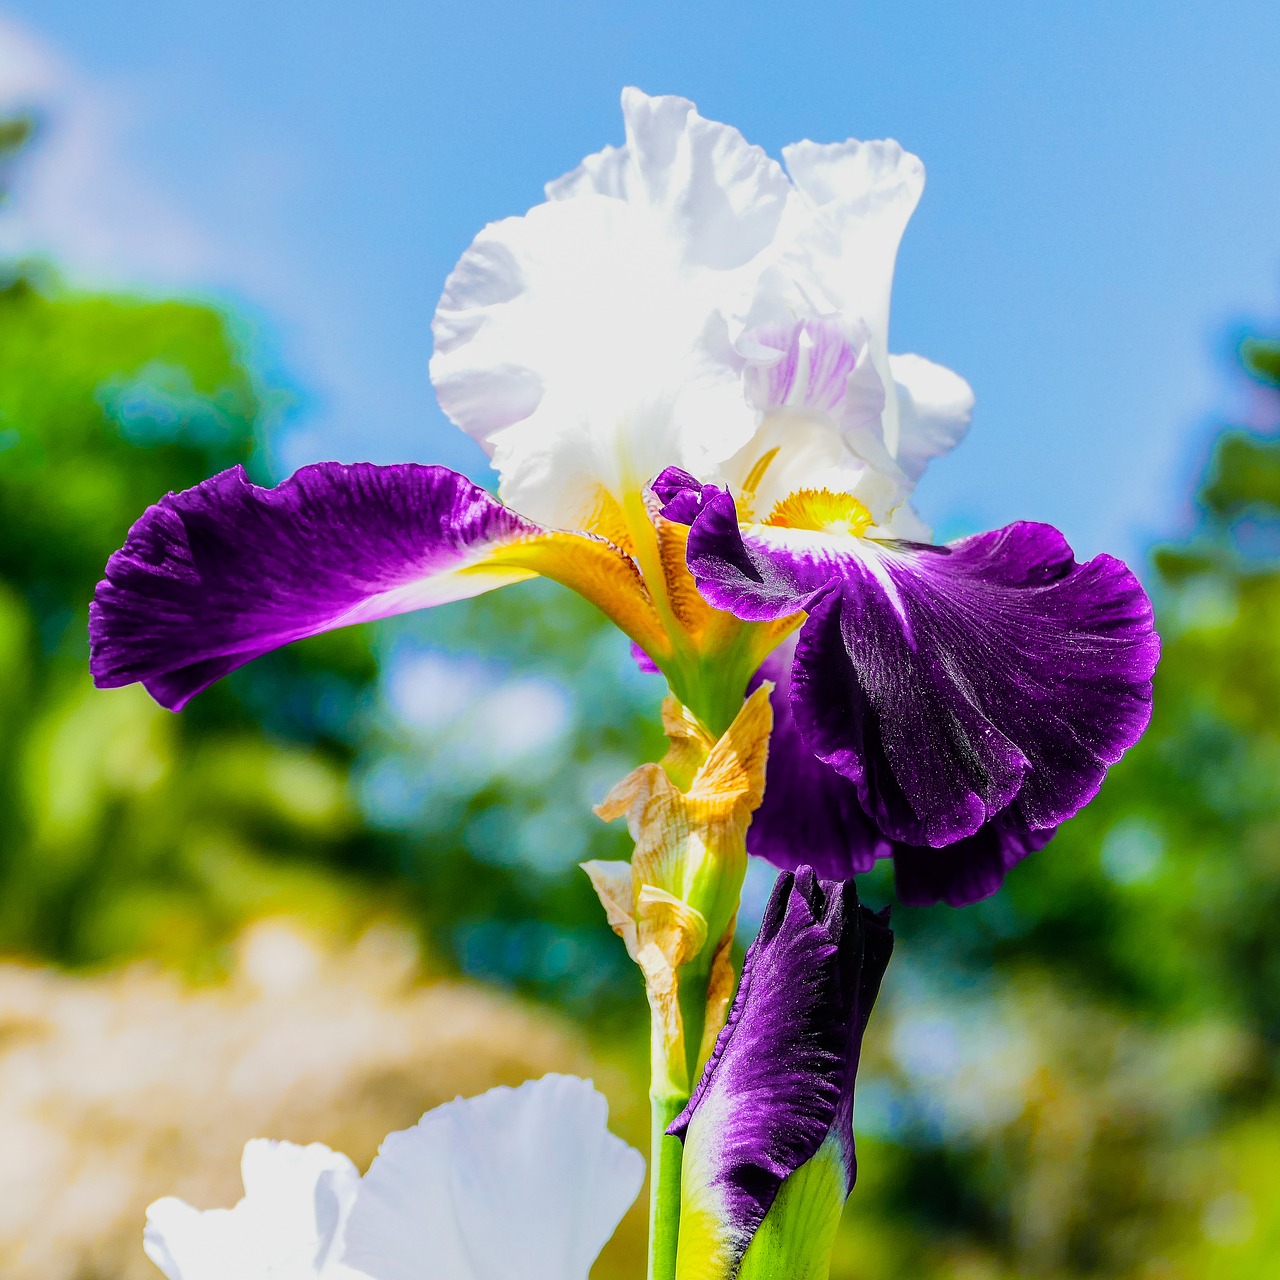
(840, 241)
(587, 345)
(288, 1226)
(647, 315)
(855, 201)
(517, 1184)
(934, 410)
(718, 198)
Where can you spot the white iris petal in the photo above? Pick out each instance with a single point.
(586, 344)
(631, 323)
(851, 206)
(288, 1226)
(934, 407)
(517, 1184)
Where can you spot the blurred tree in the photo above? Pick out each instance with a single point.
(15, 133)
(126, 830)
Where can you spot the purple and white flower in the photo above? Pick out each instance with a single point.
(526, 1182)
(684, 307)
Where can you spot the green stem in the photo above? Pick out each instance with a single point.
(664, 1188)
(669, 1087)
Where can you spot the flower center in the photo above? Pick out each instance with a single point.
(822, 511)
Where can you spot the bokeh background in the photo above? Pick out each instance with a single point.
(342, 886)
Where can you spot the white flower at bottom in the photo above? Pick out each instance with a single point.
(517, 1184)
(288, 1226)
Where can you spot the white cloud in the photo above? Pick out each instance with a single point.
(77, 197)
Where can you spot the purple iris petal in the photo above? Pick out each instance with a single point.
(781, 1077)
(673, 483)
(968, 870)
(877, 949)
(812, 815)
(213, 577)
(950, 684)
(681, 495)
(643, 661)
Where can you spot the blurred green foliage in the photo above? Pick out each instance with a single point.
(128, 831)
(1076, 1078)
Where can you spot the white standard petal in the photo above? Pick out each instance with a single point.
(934, 410)
(517, 1184)
(586, 344)
(821, 402)
(855, 199)
(853, 202)
(718, 198)
(288, 1226)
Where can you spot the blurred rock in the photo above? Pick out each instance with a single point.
(117, 1089)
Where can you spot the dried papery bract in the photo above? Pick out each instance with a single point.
(674, 906)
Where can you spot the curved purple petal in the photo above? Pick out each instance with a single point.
(950, 684)
(968, 870)
(679, 493)
(812, 815)
(642, 660)
(781, 1077)
(877, 950)
(213, 577)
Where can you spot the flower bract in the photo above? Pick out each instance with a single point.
(675, 903)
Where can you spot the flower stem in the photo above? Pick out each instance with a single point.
(664, 1188)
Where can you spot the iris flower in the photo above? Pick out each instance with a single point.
(522, 1182)
(684, 310)
(679, 366)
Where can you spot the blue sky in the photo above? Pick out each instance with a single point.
(1103, 202)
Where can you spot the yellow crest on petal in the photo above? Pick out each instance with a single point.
(822, 511)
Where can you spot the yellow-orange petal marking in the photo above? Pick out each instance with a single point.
(823, 511)
(598, 571)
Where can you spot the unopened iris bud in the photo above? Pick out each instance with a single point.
(675, 902)
(768, 1134)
